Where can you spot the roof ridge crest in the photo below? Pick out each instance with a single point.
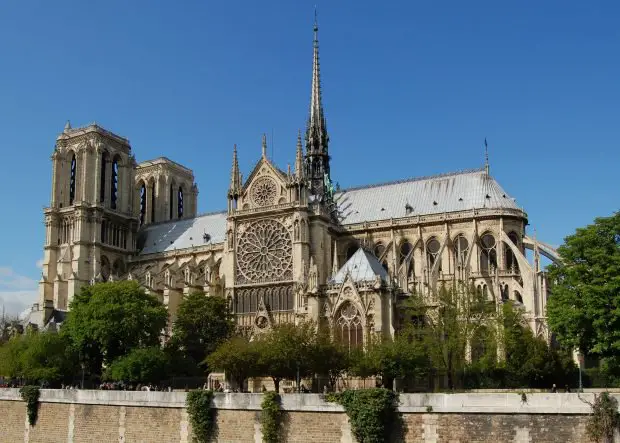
(412, 179)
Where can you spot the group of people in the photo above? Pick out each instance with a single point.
(120, 386)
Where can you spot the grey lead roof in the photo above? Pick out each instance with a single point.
(182, 234)
(428, 195)
(362, 266)
(431, 195)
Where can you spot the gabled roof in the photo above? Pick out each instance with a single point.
(362, 266)
(182, 234)
(458, 191)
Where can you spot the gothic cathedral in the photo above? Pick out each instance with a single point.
(290, 246)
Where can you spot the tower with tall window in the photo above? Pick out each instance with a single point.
(90, 224)
(164, 190)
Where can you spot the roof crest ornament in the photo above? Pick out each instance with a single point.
(486, 156)
(264, 146)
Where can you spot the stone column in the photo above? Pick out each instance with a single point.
(82, 181)
(97, 184)
(54, 178)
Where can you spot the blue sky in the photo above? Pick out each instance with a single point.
(410, 89)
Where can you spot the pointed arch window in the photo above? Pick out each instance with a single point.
(488, 253)
(461, 248)
(379, 251)
(432, 253)
(73, 179)
(142, 204)
(114, 184)
(180, 203)
(511, 259)
(349, 329)
(406, 257)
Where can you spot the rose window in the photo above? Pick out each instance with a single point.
(263, 192)
(264, 253)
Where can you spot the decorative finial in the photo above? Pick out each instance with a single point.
(299, 159)
(264, 146)
(235, 176)
(486, 156)
(67, 126)
(316, 24)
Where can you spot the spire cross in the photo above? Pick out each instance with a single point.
(264, 146)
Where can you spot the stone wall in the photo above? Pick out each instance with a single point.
(118, 416)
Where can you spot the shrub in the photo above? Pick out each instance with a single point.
(604, 419)
(372, 412)
(271, 417)
(30, 394)
(201, 415)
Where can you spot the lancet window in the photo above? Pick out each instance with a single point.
(180, 203)
(406, 258)
(461, 248)
(379, 252)
(432, 253)
(73, 180)
(142, 204)
(276, 299)
(349, 330)
(510, 259)
(114, 184)
(65, 231)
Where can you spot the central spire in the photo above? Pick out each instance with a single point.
(317, 140)
(316, 107)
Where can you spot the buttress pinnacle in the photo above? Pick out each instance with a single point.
(235, 176)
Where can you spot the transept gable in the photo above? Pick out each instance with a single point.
(348, 293)
(266, 186)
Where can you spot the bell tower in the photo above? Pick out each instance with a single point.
(90, 226)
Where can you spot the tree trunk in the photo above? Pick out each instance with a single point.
(276, 384)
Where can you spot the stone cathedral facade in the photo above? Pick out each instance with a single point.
(289, 246)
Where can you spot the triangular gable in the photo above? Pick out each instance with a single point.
(259, 166)
(362, 266)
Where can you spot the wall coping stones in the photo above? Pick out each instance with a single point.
(483, 403)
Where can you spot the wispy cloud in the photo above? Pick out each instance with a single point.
(17, 292)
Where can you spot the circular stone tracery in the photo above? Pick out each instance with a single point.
(264, 192)
(264, 253)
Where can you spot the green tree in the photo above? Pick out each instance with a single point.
(202, 324)
(287, 350)
(238, 357)
(141, 365)
(38, 357)
(108, 320)
(391, 358)
(445, 322)
(328, 358)
(530, 361)
(583, 310)
(10, 353)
